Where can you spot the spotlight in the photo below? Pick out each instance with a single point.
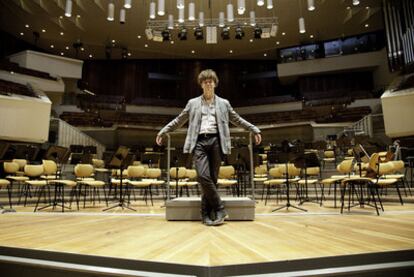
(239, 33)
(225, 33)
(198, 33)
(182, 35)
(257, 33)
(166, 35)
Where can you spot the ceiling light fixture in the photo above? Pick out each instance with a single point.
(52, 46)
(61, 33)
(191, 11)
(152, 10)
(161, 8)
(230, 14)
(43, 30)
(311, 5)
(269, 5)
(252, 18)
(22, 34)
(241, 6)
(27, 26)
(221, 19)
(180, 4)
(260, 3)
(198, 33)
(68, 8)
(302, 28)
(239, 33)
(170, 22)
(127, 4)
(181, 15)
(90, 56)
(355, 2)
(111, 11)
(122, 16)
(225, 33)
(201, 19)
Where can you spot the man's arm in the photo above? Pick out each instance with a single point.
(237, 120)
(174, 124)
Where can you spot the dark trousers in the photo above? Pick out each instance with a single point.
(207, 160)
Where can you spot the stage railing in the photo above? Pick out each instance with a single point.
(250, 147)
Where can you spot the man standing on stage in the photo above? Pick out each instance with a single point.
(208, 138)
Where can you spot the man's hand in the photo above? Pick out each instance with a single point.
(258, 138)
(158, 140)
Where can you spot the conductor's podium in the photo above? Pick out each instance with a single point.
(188, 208)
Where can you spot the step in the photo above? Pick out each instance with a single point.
(188, 208)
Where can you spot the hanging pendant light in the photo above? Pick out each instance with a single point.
(252, 18)
(302, 28)
(152, 10)
(230, 15)
(127, 4)
(161, 8)
(181, 15)
(180, 4)
(191, 11)
(111, 11)
(122, 16)
(201, 19)
(170, 21)
(260, 3)
(311, 5)
(241, 6)
(68, 8)
(221, 19)
(269, 5)
(355, 2)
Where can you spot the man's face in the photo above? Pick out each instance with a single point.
(208, 85)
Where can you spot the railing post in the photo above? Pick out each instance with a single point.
(251, 164)
(168, 165)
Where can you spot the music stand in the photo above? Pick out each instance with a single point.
(119, 162)
(304, 161)
(286, 154)
(360, 156)
(178, 160)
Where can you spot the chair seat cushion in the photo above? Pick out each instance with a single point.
(309, 181)
(226, 183)
(140, 183)
(273, 182)
(4, 182)
(94, 183)
(37, 182)
(261, 179)
(385, 182)
(18, 178)
(69, 183)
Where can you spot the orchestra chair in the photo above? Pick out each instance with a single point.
(329, 157)
(154, 176)
(34, 172)
(399, 167)
(177, 179)
(275, 180)
(22, 163)
(191, 176)
(84, 179)
(260, 175)
(4, 183)
(11, 169)
(226, 179)
(136, 174)
(310, 178)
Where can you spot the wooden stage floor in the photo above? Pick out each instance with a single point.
(146, 235)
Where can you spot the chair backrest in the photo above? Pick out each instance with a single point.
(350, 152)
(33, 170)
(386, 168)
(398, 165)
(83, 170)
(153, 173)
(226, 172)
(373, 162)
(261, 169)
(313, 171)
(50, 167)
(136, 171)
(177, 174)
(97, 163)
(191, 173)
(329, 154)
(11, 167)
(276, 172)
(20, 162)
(345, 167)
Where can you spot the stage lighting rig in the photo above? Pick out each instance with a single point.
(198, 33)
(182, 34)
(225, 33)
(239, 33)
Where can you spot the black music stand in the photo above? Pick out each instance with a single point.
(360, 156)
(304, 161)
(287, 153)
(119, 161)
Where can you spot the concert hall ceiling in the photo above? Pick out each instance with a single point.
(87, 34)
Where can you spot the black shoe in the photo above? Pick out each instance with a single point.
(207, 221)
(220, 217)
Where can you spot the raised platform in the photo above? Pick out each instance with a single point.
(188, 208)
